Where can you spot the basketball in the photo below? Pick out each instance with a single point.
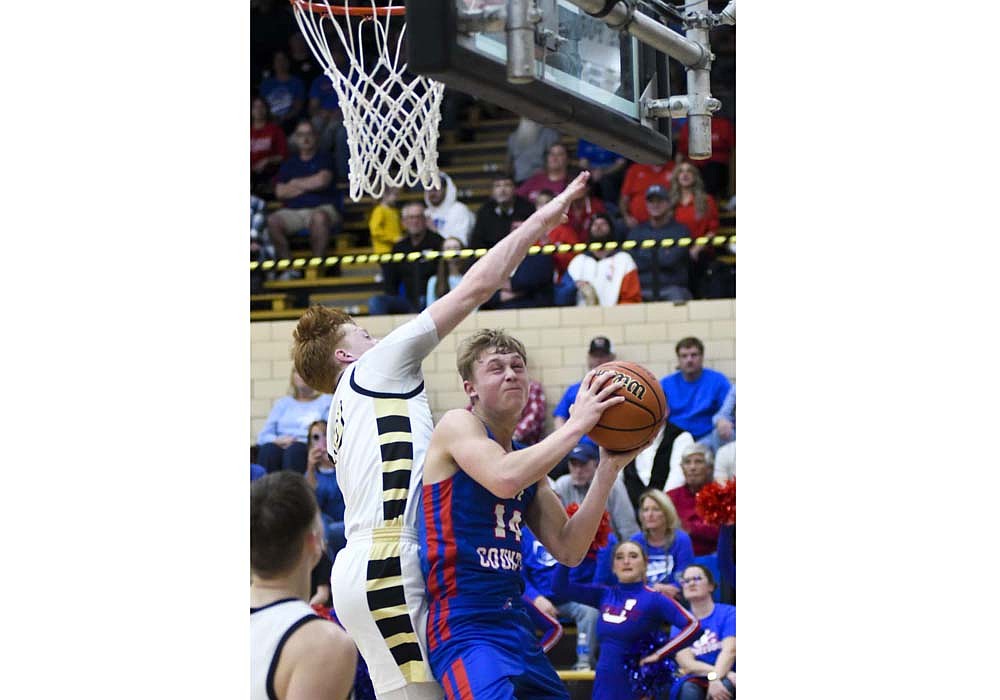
(628, 425)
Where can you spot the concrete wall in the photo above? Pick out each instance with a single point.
(556, 340)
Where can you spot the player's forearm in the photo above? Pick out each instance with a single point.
(578, 532)
(519, 469)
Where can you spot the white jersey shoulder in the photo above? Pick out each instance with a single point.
(270, 627)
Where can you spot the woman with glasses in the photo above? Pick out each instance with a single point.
(631, 613)
(709, 664)
(667, 546)
(282, 442)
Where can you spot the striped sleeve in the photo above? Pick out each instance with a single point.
(677, 616)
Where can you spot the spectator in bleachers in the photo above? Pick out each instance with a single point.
(638, 179)
(563, 233)
(554, 176)
(697, 210)
(322, 476)
(671, 280)
(725, 432)
(538, 569)
(526, 148)
(308, 192)
(598, 353)
(714, 170)
(659, 465)
(324, 113)
(607, 169)
(695, 393)
(284, 92)
(283, 441)
(604, 277)
(268, 148)
(667, 547)
(582, 212)
(709, 664)
(630, 614)
(698, 465)
(531, 285)
(449, 272)
(405, 283)
(495, 216)
(385, 223)
(303, 63)
(446, 216)
(572, 487)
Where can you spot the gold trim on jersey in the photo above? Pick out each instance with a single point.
(387, 604)
(395, 437)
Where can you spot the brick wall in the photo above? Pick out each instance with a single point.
(556, 340)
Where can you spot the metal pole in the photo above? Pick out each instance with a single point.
(699, 91)
(648, 31)
(520, 41)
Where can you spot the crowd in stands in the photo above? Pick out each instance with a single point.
(680, 567)
(299, 155)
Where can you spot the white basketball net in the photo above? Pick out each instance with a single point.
(391, 119)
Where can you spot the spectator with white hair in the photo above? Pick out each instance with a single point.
(698, 465)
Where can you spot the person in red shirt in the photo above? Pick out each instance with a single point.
(268, 148)
(697, 210)
(638, 179)
(698, 466)
(554, 177)
(715, 170)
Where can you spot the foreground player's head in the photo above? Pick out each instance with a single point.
(286, 530)
(325, 342)
(491, 363)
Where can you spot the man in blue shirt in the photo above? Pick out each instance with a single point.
(306, 187)
(694, 393)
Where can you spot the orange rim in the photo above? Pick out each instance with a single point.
(340, 9)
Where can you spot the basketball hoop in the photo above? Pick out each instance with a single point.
(391, 118)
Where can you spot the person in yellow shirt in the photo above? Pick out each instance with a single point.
(385, 223)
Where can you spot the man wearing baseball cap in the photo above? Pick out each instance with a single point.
(572, 487)
(638, 178)
(663, 272)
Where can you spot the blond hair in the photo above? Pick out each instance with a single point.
(666, 506)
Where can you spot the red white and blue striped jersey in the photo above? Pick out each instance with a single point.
(470, 541)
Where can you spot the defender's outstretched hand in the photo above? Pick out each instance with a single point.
(554, 213)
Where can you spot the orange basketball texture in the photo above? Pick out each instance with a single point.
(628, 425)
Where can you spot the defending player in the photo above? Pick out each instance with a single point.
(477, 492)
(294, 653)
(379, 427)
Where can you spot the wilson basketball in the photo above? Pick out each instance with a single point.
(628, 425)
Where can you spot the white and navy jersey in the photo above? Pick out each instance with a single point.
(380, 425)
(270, 627)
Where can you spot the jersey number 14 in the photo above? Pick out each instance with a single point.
(514, 524)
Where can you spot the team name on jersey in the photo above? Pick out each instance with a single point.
(618, 616)
(499, 558)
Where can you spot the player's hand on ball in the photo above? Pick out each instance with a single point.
(596, 395)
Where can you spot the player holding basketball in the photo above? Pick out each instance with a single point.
(477, 491)
(380, 425)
